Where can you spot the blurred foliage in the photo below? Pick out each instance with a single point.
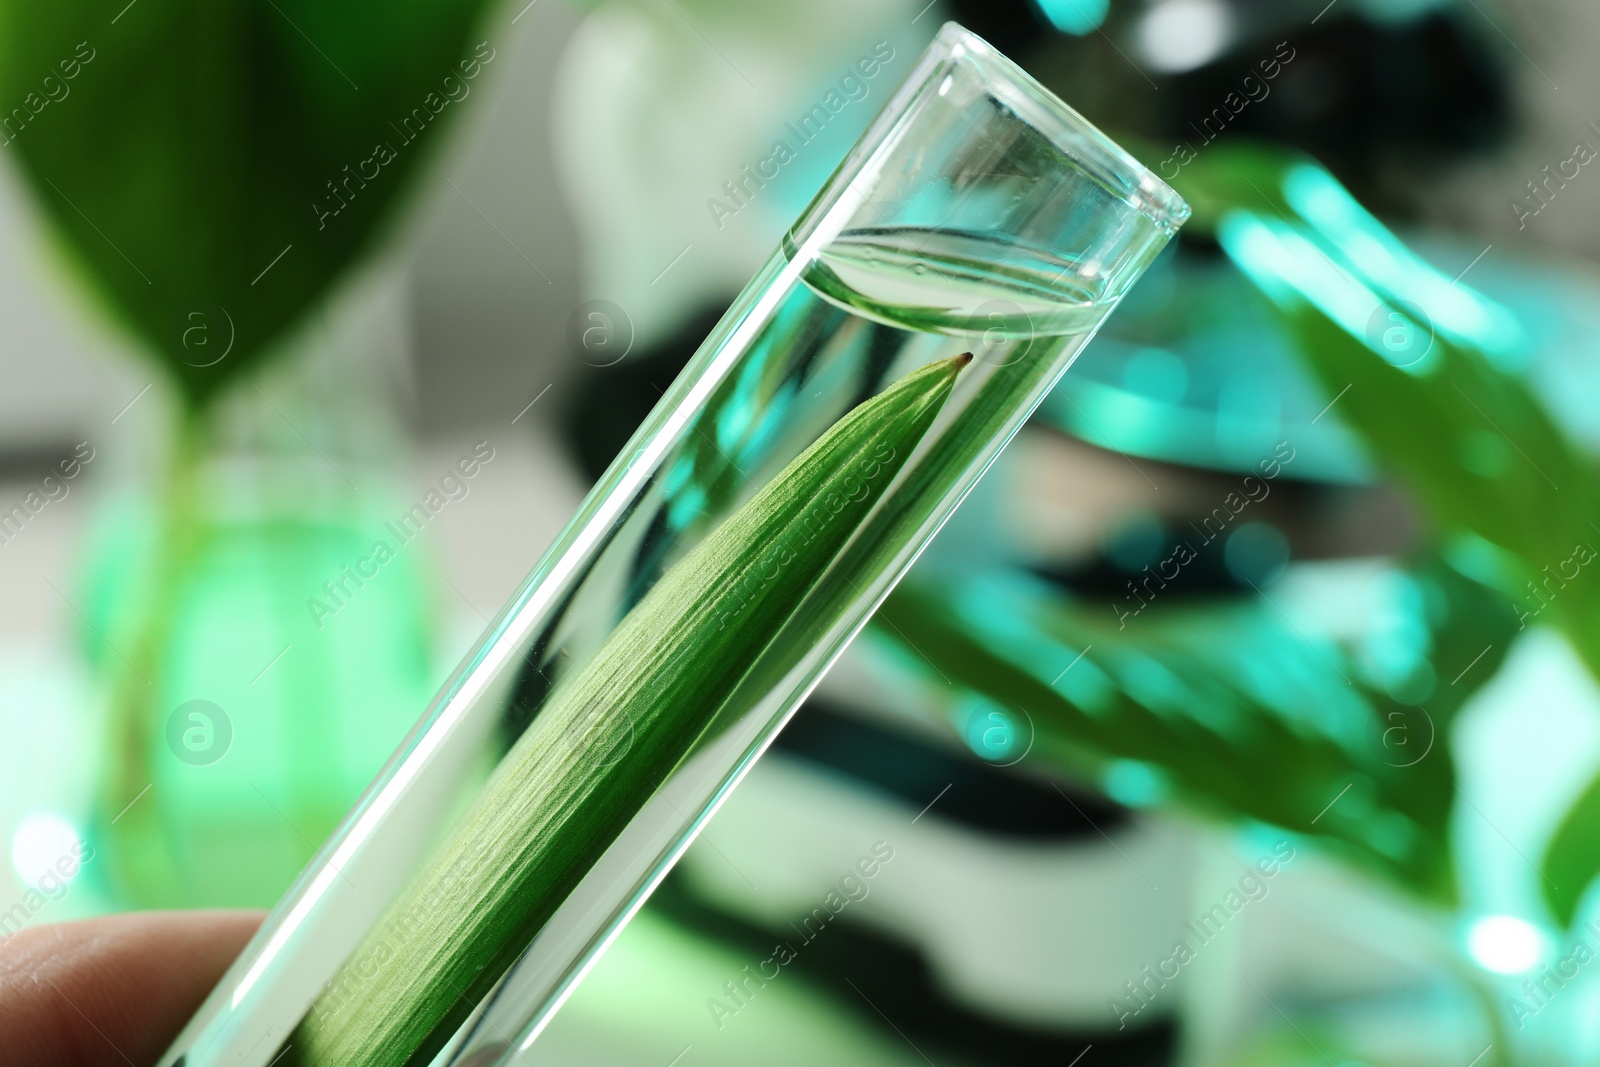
(1572, 858)
(212, 169)
(1424, 370)
(1230, 708)
(182, 147)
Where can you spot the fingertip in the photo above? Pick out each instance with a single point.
(111, 989)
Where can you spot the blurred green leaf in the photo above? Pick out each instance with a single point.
(214, 166)
(1429, 380)
(609, 738)
(1424, 370)
(1572, 859)
(1238, 712)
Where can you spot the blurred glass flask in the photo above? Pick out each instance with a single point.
(241, 724)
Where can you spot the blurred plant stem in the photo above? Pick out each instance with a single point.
(141, 854)
(1502, 1051)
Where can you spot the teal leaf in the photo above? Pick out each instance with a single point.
(1426, 371)
(1237, 714)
